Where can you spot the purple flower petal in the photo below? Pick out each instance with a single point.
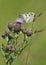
(19, 20)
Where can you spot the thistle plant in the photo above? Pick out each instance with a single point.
(11, 35)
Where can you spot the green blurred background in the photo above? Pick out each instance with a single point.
(9, 11)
